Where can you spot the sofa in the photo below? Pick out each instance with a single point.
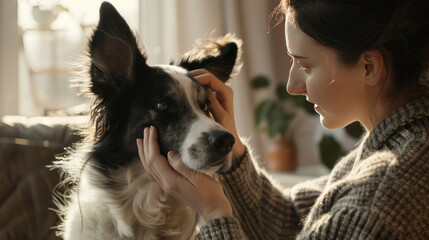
(27, 146)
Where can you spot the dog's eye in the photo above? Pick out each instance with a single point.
(162, 106)
(205, 107)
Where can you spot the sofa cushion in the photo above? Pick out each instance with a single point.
(27, 146)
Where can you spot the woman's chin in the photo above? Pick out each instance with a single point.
(331, 123)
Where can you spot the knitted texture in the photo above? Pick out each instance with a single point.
(378, 191)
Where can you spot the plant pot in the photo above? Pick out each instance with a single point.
(281, 155)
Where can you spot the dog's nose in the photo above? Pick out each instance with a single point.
(221, 141)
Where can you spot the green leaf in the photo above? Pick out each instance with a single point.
(355, 130)
(287, 118)
(302, 102)
(60, 7)
(281, 92)
(275, 121)
(330, 151)
(260, 81)
(263, 110)
(278, 121)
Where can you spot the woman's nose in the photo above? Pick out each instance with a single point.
(296, 85)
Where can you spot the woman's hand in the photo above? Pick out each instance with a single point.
(221, 105)
(197, 190)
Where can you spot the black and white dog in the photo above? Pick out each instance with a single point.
(111, 196)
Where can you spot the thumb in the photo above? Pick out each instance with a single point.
(175, 161)
(178, 165)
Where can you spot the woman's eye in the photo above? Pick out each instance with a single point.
(305, 68)
(162, 106)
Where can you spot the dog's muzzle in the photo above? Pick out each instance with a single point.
(221, 142)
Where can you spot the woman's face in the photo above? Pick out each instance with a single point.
(337, 92)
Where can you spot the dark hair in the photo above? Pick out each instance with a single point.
(399, 29)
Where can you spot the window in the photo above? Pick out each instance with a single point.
(54, 35)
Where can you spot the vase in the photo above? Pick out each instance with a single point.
(44, 17)
(281, 155)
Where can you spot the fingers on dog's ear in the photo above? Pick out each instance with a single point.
(215, 107)
(198, 72)
(211, 81)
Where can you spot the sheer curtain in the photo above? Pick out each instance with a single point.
(168, 27)
(9, 39)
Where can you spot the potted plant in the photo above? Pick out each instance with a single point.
(273, 118)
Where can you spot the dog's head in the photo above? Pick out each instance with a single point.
(130, 95)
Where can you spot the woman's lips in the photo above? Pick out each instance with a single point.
(316, 107)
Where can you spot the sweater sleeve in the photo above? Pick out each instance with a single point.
(349, 223)
(261, 209)
(221, 228)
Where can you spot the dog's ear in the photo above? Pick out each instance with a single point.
(219, 56)
(113, 51)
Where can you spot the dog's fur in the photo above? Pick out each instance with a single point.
(109, 194)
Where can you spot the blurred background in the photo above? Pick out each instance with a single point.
(42, 41)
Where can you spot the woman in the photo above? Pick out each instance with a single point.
(356, 60)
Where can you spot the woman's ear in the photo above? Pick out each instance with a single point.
(375, 69)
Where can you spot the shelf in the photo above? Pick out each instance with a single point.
(43, 30)
(50, 70)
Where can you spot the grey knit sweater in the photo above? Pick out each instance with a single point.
(378, 191)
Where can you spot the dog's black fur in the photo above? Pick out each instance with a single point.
(129, 95)
(126, 88)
